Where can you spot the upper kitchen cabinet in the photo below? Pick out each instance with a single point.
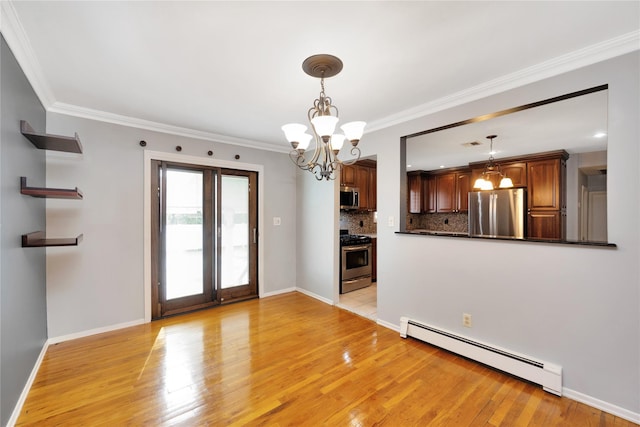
(348, 176)
(452, 191)
(416, 192)
(362, 175)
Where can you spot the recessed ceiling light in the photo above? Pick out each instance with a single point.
(441, 166)
(599, 135)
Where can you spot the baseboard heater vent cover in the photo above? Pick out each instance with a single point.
(548, 375)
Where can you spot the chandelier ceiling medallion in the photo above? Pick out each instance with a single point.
(492, 173)
(323, 118)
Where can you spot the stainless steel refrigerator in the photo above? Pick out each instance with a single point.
(497, 213)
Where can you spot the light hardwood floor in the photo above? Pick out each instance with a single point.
(282, 360)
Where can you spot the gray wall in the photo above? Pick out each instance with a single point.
(23, 310)
(99, 284)
(574, 306)
(317, 231)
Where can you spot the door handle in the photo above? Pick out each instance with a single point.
(255, 235)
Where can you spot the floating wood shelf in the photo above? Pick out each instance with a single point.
(37, 239)
(50, 193)
(51, 142)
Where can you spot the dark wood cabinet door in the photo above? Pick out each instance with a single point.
(429, 194)
(517, 172)
(362, 183)
(463, 181)
(373, 189)
(446, 192)
(348, 176)
(543, 178)
(414, 199)
(544, 225)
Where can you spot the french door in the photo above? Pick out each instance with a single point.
(204, 237)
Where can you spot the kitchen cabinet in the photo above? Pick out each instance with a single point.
(363, 176)
(415, 189)
(429, 193)
(452, 191)
(56, 143)
(546, 198)
(373, 188)
(362, 182)
(422, 195)
(348, 176)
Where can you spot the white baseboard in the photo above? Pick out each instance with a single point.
(278, 292)
(82, 334)
(316, 296)
(388, 325)
(602, 405)
(27, 387)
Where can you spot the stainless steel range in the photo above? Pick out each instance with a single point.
(355, 262)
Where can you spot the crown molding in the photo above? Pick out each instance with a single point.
(117, 119)
(20, 45)
(589, 55)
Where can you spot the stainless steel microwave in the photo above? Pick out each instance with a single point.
(349, 198)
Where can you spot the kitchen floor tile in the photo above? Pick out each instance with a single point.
(362, 302)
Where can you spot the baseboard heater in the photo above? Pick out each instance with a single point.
(548, 375)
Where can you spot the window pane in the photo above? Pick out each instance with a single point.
(235, 231)
(184, 236)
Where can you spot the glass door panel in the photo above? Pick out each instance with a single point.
(184, 234)
(235, 232)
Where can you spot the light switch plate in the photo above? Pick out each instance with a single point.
(390, 221)
(276, 220)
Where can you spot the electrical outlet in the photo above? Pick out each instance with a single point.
(277, 220)
(390, 221)
(466, 320)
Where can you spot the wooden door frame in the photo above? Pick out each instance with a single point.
(147, 233)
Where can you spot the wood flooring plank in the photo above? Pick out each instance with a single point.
(286, 360)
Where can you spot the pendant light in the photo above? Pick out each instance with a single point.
(492, 169)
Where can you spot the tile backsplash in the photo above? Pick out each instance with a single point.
(358, 222)
(452, 222)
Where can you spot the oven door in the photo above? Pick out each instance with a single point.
(356, 261)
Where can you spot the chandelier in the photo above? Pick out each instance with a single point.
(492, 170)
(323, 117)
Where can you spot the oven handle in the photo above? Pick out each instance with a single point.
(356, 248)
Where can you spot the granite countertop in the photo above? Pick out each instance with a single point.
(438, 233)
(423, 232)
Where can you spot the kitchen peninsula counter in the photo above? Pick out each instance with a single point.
(421, 232)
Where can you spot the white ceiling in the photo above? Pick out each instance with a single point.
(231, 71)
